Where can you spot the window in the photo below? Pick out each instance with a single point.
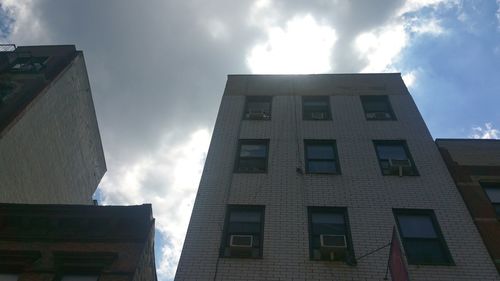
(252, 157)
(421, 237)
(27, 63)
(80, 278)
(316, 108)
(7, 88)
(329, 237)
(492, 189)
(394, 158)
(258, 108)
(321, 157)
(243, 232)
(8, 277)
(377, 108)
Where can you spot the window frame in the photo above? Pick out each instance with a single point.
(60, 276)
(384, 98)
(491, 185)
(17, 275)
(251, 142)
(312, 98)
(37, 64)
(332, 143)
(226, 235)
(350, 256)
(409, 156)
(440, 238)
(249, 99)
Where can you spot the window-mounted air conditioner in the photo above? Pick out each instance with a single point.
(399, 165)
(257, 114)
(241, 241)
(333, 247)
(378, 115)
(318, 115)
(333, 241)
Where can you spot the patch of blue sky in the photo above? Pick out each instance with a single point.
(457, 72)
(160, 243)
(6, 22)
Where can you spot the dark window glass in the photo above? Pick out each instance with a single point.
(394, 158)
(7, 89)
(27, 63)
(79, 278)
(377, 108)
(9, 277)
(493, 192)
(243, 232)
(421, 237)
(258, 108)
(316, 108)
(252, 156)
(329, 236)
(321, 157)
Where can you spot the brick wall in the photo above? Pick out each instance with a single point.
(368, 196)
(53, 153)
(469, 162)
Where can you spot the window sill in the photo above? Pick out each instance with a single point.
(319, 173)
(238, 257)
(247, 119)
(381, 119)
(432, 264)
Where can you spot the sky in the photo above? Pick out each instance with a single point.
(158, 69)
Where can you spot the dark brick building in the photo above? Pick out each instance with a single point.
(76, 243)
(475, 166)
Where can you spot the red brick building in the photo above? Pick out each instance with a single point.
(76, 243)
(475, 166)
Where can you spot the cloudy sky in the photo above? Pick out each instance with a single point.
(158, 70)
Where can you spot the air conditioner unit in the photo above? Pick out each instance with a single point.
(399, 165)
(241, 241)
(333, 247)
(379, 115)
(318, 115)
(242, 246)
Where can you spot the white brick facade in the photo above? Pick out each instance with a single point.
(53, 153)
(368, 195)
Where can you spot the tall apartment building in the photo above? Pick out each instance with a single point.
(475, 166)
(308, 174)
(50, 147)
(51, 161)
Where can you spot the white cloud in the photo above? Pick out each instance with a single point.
(486, 132)
(411, 6)
(381, 47)
(303, 46)
(409, 78)
(168, 178)
(498, 14)
(28, 28)
(430, 26)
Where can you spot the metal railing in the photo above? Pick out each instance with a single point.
(7, 47)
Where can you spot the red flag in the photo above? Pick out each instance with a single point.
(397, 264)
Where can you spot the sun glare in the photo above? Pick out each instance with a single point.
(303, 46)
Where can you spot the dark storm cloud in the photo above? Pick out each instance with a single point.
(157, 71)
(152, 65)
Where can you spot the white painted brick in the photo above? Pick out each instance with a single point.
(368, 196)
